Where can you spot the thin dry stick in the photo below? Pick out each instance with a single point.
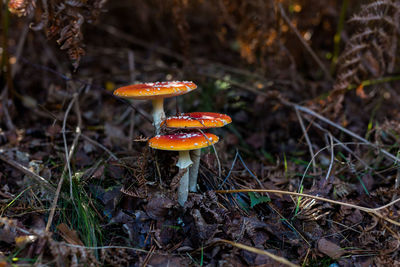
(328, 173)
(305, 44)
(68, 158)
(352, 153)
(351, 228)
(94, 142)
(148, 256)
(354, 135)
(322, 118)
(28, 172)
(365, 209)
(324, 148)
(63, 131)
(347, 149)
(366, 142)
(303, 128)
(397, 182)
(258, 251)
(87, 138)
(306, 257)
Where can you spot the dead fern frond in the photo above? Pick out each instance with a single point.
(61, 19)
(371, 50)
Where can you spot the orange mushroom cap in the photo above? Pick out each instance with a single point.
(198, 120)
(144, 91)
(183, 141)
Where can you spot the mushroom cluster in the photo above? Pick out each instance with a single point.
(189, 140)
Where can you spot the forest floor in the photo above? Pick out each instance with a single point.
(296, 178)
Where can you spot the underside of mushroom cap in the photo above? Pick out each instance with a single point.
(198, 120)
(144, 91)
(183, 141)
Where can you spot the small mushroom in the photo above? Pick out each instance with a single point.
(197, 120)
(156, 92)
(183, 142)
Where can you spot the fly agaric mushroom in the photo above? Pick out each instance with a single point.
(156, 92)
(183, 142)
(197, 120)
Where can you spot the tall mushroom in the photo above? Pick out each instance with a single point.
(183, 142)
(156, 92)
(197, 120)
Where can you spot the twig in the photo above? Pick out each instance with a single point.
(231, 169)
(352, 153)
(94, 142)
(328, 173)
(324, 148)
(249, 171)
(365, 209)
(28, 172)
(258, 251)
(354, 135)
(303, 128)
(397, 182)
(285, 102)
(305, 44)
(49, 114)
(67, 154)
(148, 256)
(346, 148)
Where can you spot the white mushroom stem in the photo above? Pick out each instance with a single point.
(158, 113)
(183, 163)
(194, 169)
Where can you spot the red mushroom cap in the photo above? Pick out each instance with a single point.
(183, 141)
(144, 91)
(198, 120)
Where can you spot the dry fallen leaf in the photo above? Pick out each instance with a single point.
(330, 249)
(69, 235)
